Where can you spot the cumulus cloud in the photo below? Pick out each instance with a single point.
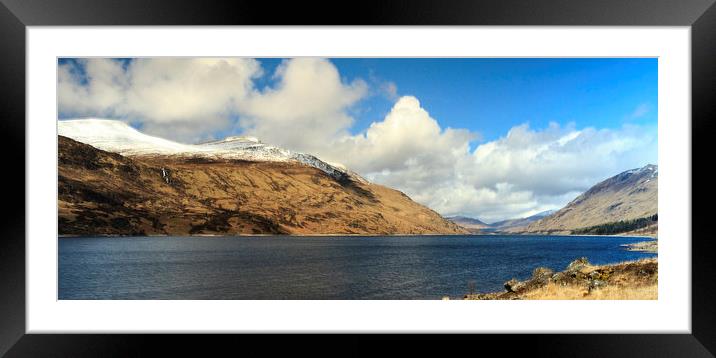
(407, 138)
(556, 159)
(177, 98)
(525, 172)
(535, 170)
(307, 108)
(187, 99)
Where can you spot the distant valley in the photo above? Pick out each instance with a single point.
(626, 203)
(477, 226)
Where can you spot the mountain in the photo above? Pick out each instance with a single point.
(631, 196)
(477, 226)
(473, 225)
(143, 185)
(118, 137)
(512, 223)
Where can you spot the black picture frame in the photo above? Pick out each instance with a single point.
(16, 15)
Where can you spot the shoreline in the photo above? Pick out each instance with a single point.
(629, 280)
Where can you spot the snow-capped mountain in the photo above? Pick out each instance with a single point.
(102, 193)
(118, 137)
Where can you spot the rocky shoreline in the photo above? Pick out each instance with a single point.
(634, 280)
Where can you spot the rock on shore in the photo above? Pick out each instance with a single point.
(582, 280)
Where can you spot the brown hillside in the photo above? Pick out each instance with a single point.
(627, 196)
(106, 193)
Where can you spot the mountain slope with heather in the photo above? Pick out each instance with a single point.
(158, 187)
(624, 200)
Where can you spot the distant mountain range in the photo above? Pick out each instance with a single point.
(508, 224)
(115, 180)
(477, 226)
(471, 224)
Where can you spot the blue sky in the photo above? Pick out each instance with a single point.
(492, 138)
(491, 95)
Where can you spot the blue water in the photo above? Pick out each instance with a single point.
(306, 268)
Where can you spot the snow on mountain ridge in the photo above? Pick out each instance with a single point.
(119, 137)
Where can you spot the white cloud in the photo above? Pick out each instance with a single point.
(557, 159)
(101, 95)
(525, 172)
(550, 166)
(306, 110)
(407, 138)
(189, 99)
(178, 98)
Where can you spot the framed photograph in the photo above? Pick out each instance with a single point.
(484, 169)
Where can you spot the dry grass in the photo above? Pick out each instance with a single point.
(623, 285)
(555, 292)
(631, 280)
